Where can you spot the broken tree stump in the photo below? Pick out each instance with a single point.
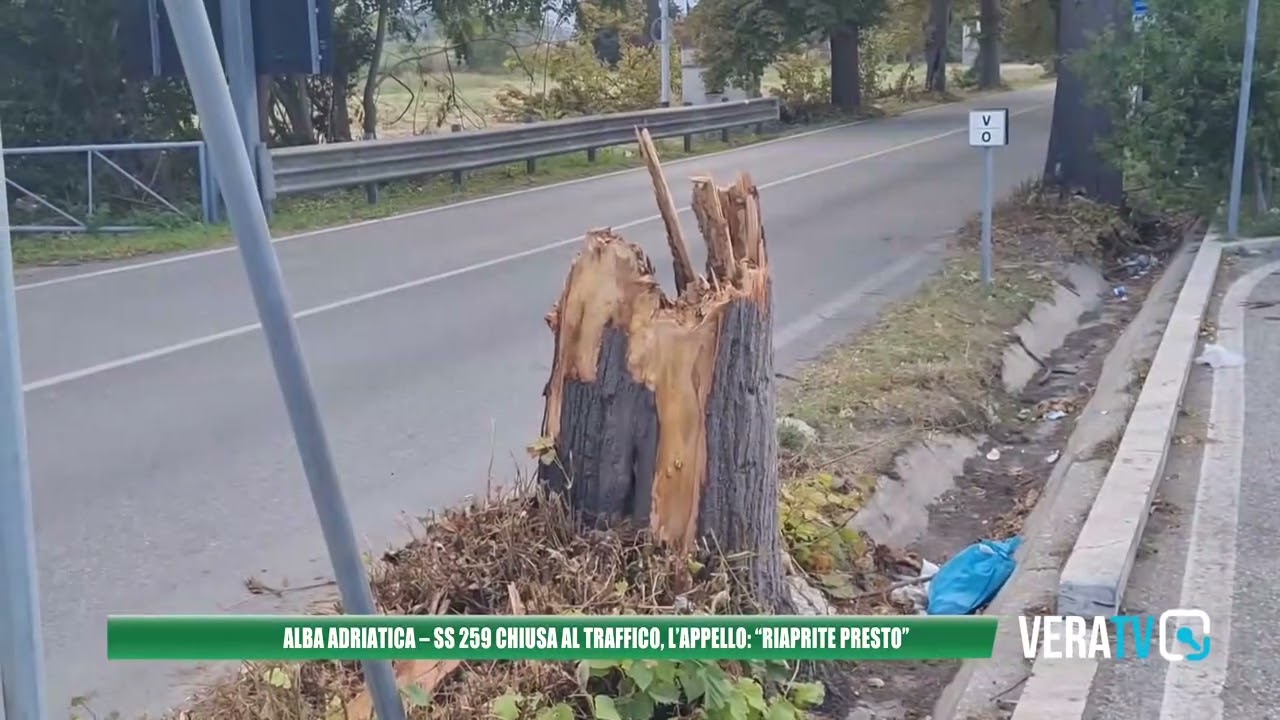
(662, 409)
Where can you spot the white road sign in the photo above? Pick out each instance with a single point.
(989, 128)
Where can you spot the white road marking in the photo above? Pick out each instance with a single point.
(420, 282)
(450, 206)
(1193, 690)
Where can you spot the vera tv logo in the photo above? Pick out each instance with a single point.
(1181, 634)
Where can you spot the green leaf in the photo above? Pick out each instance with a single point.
(604, 708)
(664, 691)
(416, 695)
(507, 707)
(808, 695)
(753, 693)
(837, 586)
(559, 711)
(638, 706)
(782, 710)
(641, 673)
(692, 679)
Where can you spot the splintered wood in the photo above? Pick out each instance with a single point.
(661, 408)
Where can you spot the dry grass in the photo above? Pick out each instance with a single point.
(465, 561)
(932, 363)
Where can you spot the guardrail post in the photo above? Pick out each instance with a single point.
(688, 143)
(457, 174)
(371, 189)
(208, 203)
(591, 154)
(724, 135)
(530, 164)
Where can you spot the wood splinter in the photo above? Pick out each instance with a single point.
(662, 409)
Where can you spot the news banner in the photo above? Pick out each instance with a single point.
(560, 637)
(1180, 634)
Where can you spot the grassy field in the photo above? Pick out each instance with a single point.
(407, 110)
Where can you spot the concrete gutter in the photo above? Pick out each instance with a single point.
(983, 688)
(1093, 580)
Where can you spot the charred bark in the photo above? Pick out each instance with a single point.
(661, 409)
(846, 70)
(1073, 163)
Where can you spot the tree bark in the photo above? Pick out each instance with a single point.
(935, 46)
(370, 100)
(662, 410)
(846, 71)
(340, 113)
(1073, 163)
(989, 45)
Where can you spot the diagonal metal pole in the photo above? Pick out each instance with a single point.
(249, 223)
(21, 644)
(1242, 120)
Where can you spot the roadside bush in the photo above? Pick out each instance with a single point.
(804, 92)
(577, 83)
(1176, 145)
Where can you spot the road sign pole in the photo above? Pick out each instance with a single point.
(988, 130)
(1242, 120)
(988, 192)
(232, 162)
(664, 22)
(21, 644)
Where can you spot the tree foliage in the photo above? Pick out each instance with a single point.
(1177, 144)
(738, 39)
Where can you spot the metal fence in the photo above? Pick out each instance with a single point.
(81, 213)
(324, 167)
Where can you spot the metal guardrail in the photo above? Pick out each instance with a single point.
(324, 167)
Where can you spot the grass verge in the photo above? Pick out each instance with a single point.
(303, 213)
(930, 364)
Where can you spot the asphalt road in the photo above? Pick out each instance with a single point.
(1212, 542)
(164, 469)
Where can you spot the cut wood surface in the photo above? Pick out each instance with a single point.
(661, 408)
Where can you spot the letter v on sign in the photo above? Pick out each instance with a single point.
(989, 128)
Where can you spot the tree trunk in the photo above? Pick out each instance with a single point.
(340, 112)
(989, 45)
(1073, 163)
(846, 73)
(370, 103)
(662, 410)
(935, 46)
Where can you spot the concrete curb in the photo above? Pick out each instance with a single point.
(1093, 580)
(982, 686)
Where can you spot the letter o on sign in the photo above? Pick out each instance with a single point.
(986, 136)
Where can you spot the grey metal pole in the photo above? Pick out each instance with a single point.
(665, 23)
(21, 642)
(242, 77)
(249, 224)
(1242, 120)
(988, 180)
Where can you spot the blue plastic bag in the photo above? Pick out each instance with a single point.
(972, 578)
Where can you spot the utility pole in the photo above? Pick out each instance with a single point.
(1242, 121)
